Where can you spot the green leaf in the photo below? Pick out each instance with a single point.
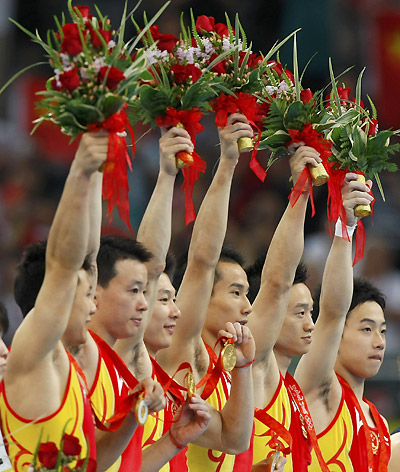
(112, 104)
(296, 68)
(358, 88)
(15, 76)
(276, 47)
(83, 113)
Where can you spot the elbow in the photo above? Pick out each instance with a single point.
(238, 447)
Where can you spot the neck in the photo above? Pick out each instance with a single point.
(356, 383)
(283, 361)
(209, 338)
(101, 331)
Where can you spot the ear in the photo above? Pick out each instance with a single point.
(97, 295)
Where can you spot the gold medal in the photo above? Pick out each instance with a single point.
(275, 460)
(228, 356)
(141, 410)
(191, 386)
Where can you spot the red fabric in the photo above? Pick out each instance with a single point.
(115, 179)
(310, 137)
(190, 119)
(362, 441)
(301, 454)
(246, 104)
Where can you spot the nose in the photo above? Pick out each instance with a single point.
(3, 350)
(379, 341)
(92, 307)
(247, 309)
(308, 324)
(142, 303)
(175, 311)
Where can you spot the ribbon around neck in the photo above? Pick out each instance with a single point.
(190, 120)
(115, 178)
(246, 104)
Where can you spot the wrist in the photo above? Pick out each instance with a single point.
(339, 229)
(174, 441)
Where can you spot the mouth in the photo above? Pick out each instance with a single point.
(243, 322)
(377, 357)
(170, 328)
(137, 321)
(307, 339)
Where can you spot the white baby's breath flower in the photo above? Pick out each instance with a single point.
(98, 63)
(111, 44)
(208, 47)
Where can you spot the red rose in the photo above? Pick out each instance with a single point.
(91, 466)
(165, 42)
(252, 61)
(220, 67)
(72, 42)
(373, 127)
(183, 73)
(289, 75)
(70, 79)
(48, 454)
(84, 10)
(306, 95)
(343, 93)
(221, 29)
(114, 76)
(71, 445)
(205, 23)
(94, 36)
(276, 66)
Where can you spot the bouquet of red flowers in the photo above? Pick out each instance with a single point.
(95, 76)
(66, 457)
(176, 91)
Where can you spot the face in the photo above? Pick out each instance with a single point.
(82, 309)
(121, 306)
(229, 300)
(158, 334)
(296, 333)
(3, 355)
(363, 343)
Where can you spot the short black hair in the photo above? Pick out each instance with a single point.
(254, 276)
(228, 254)
(114, 248)
(4, 322)
(30, 275)
(363, 291)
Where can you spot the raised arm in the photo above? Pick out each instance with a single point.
(315, 372)
(283, 257)
(66, 250)
(205, 248)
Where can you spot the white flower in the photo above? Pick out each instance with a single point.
(65, 59)
(84, 73)
(154, 55)
(200, 54)
(226, 45)
(271, 89)
(186, 55)
(98, 63)
(111, 44)
(208, 47)
(283, 87)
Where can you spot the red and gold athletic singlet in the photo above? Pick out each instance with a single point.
(269, 436)
(110, 388)
(22, 434)
(343, 443)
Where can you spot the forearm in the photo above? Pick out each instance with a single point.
(110, 445)
(155, 229)
(69, 235)
(95, 214)
(158, 454)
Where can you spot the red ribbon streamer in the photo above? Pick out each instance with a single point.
(246, 104)
(310, 137)
(384, 449)
(190, 120)
(115, 179)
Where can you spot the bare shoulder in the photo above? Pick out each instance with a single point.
(394, 464)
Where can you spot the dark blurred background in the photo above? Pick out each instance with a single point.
(359, 33)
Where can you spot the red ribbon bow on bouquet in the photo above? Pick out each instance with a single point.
(115, 179)
(190, 120)
(246, 104)
(336, 209)
(310, 137)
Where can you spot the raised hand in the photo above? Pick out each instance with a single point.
(171, 142)
(244, 342)
(193, 419)
(91, 153)
(355, 193)
(237, 127)
(303, 156)
(267, 465)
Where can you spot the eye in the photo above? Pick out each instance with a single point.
(135, 290)
(367, 329)
(383, 332)
(236, 292)
(164, 300)
(301, 313)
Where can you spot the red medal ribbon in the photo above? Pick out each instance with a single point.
(168, 383)
(122, 405)
(276, 431)
(215, 369)
(115, 179)
(247, 105)
(190, 120)
(310, 137)
(298, 398)
(384, 449)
